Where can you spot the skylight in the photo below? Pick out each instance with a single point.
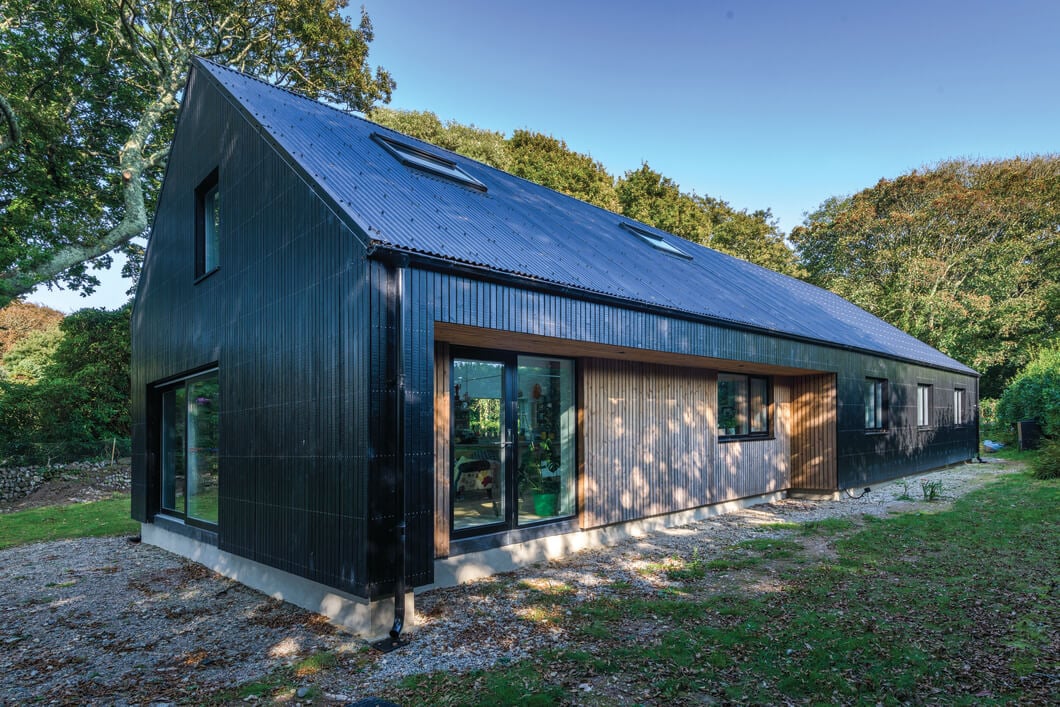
(655, 241)
(428, 162)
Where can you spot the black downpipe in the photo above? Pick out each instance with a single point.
(395, 297)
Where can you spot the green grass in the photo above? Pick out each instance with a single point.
(957, 606)
(78, 520)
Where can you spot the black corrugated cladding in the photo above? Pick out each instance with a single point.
(286, 321)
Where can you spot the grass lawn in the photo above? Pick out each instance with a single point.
(960, 606)
(78, 520)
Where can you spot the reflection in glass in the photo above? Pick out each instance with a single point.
(202, 449)
(173, 424)
(189, 446)
(478, 490)
(546, 434)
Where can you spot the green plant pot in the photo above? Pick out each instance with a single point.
(546, 504)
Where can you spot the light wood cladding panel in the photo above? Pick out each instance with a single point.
(751, 467)
(648, 440)
(442, 406)
(813, 453)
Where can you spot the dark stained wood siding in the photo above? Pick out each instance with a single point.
(901, 448)
(286, 321)
(813, 440)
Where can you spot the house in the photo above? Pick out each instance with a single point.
(362, 364)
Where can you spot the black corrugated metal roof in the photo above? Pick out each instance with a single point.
(521, 228)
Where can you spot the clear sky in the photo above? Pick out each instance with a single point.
(765, 104)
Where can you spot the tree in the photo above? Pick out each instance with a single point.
(20, 319)
(544, 160)
(648, 196)
(96, 85)
(1034, 394)
(477, 143)
(965, 256)
(72, 392)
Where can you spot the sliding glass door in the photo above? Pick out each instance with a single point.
(513, 441)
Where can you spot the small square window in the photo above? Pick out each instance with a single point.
(207, 226)
(875, 403)
(744, 405)
(923, 405)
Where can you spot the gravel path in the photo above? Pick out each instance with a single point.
(108, 621)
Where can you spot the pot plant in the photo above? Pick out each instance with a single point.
(541, 479)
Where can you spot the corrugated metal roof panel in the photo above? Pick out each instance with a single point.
(519, 227)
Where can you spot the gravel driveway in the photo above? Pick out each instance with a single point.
(109, 621)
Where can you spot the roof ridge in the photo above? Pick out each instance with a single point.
(286, 89)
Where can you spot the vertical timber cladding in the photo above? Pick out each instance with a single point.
(442, 486)
(651, 447)
(751, 467)
(813, 442)
(648, 440)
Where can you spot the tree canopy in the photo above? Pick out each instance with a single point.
(965, 256)
(92, 88)
(648, 196)
(68, 391)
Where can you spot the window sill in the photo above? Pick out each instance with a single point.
(477, 543)
(746, 438)
(178, 526)
(205, 275)
(872, 433)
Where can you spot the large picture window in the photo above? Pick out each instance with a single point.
(189, 454)
(744, 405)
(514, 437)
(875, 403)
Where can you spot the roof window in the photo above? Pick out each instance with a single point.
(655, 241)
(427, 161)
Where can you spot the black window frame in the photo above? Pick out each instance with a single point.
(880, 398)
(655, 240)
(960, 406)
(160, 390)
(769, 407)
(927, 421)
(426, 161)
(203, 192)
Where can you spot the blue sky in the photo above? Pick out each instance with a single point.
(766, 104)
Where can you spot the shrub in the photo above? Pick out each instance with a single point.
(1046, 464)
(990, 426)
(1034, 393)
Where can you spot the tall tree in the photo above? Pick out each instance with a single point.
(545, 160)
(965, 256)
(95, 85)
(648, 196)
